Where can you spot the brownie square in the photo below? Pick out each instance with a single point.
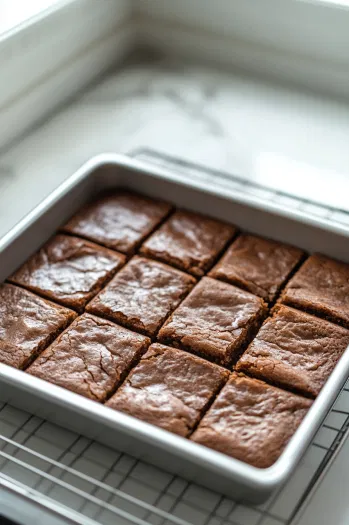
(189, 241)
(260, 266)
(216, 321)
(119, 221)
(295, 350)
(169, 388)
(68, 270)
(91, 357)
(142, 295)
(321, 287)
(251, 421)
(28, 324)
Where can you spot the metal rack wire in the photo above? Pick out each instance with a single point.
(239, 184)
(91, 484)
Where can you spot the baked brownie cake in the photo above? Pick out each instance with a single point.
(68, 270)
(151, 289)
(258, 265)
(321, 287)
(28, 324)
(251, 421)
(169, 388)
(216, 321)
(142, 295)
(119, 221)
(189, 241)
(295, 350)
(91, 357)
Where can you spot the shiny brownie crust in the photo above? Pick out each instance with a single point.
(189, 241)
(119, 221)
(215, 321)
(91, 357)
(28, 323)
(142, 295)
(68, 270)
(170, 389)
(260, 266)
(251, 421)
(321, 287)
(295, 350)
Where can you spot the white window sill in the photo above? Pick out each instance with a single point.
(50, 56)
(300, 41)
(47, 55)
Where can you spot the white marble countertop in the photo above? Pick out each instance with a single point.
(285, 138)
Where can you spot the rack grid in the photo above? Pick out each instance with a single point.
(89, 484)
(263, 193)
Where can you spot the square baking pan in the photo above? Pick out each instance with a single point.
(210, 195)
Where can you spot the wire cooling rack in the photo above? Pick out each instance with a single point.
(242, 185)
(89, 484)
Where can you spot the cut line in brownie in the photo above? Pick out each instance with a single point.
(170, 389)
(120, 220)
(321, 287)
(215, 321)
(251, 421)
(295, 350)
(68, 270)
(189, 241)
(260, 266)
(142, 295)
(91, 357)
(28, 323)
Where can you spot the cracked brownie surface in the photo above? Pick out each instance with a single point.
(258, 265)
(190, 282)
(91, 357)
(251, 421)
(169, 388)
(321, 287)
(119, 221)
(142, 295)
(295, 350)
(215, 321)
(68, 270)
(189, 241)
(28, 324)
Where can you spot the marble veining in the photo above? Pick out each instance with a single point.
(282, 137)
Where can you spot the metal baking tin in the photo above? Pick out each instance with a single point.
(173, 453)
